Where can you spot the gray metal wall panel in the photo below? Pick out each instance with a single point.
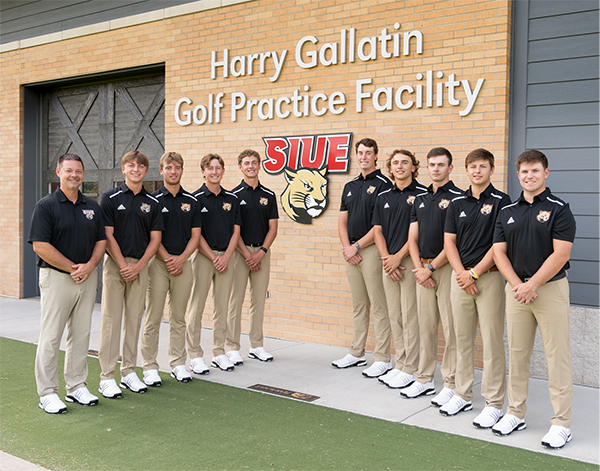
(582, 204)
(583, 293)
(563, 25)
(564, 48)
(587, 227)
(563, 92)
(561, 137)
(563, 115)
(586, 249)
(555, 63)
(544, 8)
(583, 272)
(563, 70)
(22, 20)
(563, 159)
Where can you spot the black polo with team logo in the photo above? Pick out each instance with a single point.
(429, 210)
(392, 213)
(219, 214)
(529, 228)
(358, 198)
(133, 217)
(180, 214)
(72, 229)
(473, 221)
(257, 207)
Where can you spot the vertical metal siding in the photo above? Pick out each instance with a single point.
(555, 108)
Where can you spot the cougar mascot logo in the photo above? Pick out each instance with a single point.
(305, 196)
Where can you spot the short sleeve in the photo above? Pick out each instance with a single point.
(450, 225)
(107, 211)
(196, 215)
(413, 212)
(499, 235)
(41, 224)
(274, 213)
(564, 226)
(376, 220)
(157, 223)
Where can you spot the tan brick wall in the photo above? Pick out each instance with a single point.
(309, 295)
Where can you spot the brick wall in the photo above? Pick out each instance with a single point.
(309, 295)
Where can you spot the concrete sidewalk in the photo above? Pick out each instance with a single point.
(306, 368)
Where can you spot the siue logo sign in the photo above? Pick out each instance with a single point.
(305, 162)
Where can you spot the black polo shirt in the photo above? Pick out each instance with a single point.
(72, 229)
(257, 207)
(133, 217)
(429, 210)
(528, 230)
(219, 214)
(392, 213)
(358, 198)
(473, 221)
(180, 214)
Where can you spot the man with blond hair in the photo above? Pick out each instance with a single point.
(391, 221)
(134, 225)
(477, 290)
(221, 223)
(252, 259)
(170, 271)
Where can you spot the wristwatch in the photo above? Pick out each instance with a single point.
(430, 266)
(357, 245)
(263, 249)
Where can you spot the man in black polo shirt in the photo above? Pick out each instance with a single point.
(221, 223)
(433, 274)
(170, 271)
(391, 221)
(477, 290)
(133, 230)
(363, 262)
(532, 247)
(67, 234)
(252, 259)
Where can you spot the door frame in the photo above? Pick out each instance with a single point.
(31, 151)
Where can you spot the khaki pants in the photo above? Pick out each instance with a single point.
(366, 285)
(550, 311)
(120, 300)
(204, 274)
(161, 282)
(64, 303)
(259, 282)
(401, 299)
(488, 307)
(433, 304)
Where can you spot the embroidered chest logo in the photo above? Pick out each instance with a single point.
(486, 209)
(145, 207)
(543, 216)
(89, 213)
(371, 190)
(186, 207)
(444, 204)
(264, 201)
(227, 207)
(410, 200)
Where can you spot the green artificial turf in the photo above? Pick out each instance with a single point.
(202, 425)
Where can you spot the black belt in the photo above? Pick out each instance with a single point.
(255, 245)
(218, 250)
